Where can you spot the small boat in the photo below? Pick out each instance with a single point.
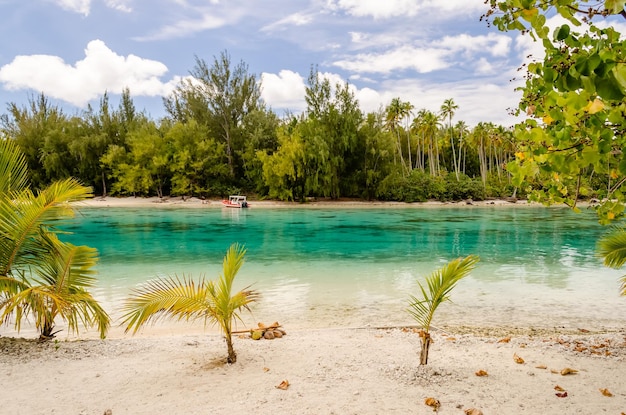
(236, 202)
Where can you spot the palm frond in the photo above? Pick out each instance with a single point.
(67, 266)
(171, 296)
(612, 247)
(13, 169)
(437, 289)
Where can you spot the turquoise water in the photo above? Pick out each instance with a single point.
(356, 267)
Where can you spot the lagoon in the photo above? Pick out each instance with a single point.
(327, 267)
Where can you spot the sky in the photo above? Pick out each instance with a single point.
(421, 51)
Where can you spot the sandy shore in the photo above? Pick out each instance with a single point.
(349, 203)
(334, 371)
(329, 371)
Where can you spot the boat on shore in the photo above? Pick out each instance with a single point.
(236, 201)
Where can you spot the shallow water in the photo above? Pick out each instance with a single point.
(357, 267)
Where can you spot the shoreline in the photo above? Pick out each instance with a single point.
(194, 202)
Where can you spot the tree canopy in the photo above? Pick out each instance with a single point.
(572, 143)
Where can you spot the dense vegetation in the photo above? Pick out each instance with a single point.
(218, 138)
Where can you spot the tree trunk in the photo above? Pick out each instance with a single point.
(425, 337)
(232, 356)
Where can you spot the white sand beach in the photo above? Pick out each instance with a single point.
(332, 371)
(180, 368)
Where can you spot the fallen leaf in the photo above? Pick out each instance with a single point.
(505, 340)
(558, 388)
(561, 394)
(541, 367)
(568, 371)
(606, 392)
(473, 411)
(518, 359)
(556, 372)
(266, 369)
(283, 385)
(451, 339)
(583, 330)
(482, 373)
(433, 403)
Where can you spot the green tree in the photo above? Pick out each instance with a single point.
(330, 131)
(39, 274)
(219, 96)
(38, 130)
(212, 301)
(437, 290)
(574, 98)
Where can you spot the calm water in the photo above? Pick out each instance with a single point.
(356, 267)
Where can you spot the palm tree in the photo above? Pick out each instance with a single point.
(612, 247)
(397, 111)
(439, 285)
(39, 274)
(447, 111)
(187, 299)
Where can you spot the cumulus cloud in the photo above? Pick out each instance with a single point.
(477, 102)
(101, 70)
(284, 90)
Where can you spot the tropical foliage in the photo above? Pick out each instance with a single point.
(183, 298)
(612, 248)
(219, 138)
(572, 144)
(436, 291)
(40, 275)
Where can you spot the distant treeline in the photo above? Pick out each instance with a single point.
(219, 138)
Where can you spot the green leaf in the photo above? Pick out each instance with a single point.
(615, 6)
(562, 32)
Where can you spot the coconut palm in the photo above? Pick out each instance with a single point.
(612, 247)
(437, 290)
(213, 301)
(447, 110)
(39, 274)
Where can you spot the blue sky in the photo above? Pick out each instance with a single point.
(422, 51)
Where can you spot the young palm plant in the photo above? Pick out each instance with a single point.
(213, 301)
(612, 247)
(437, 290)
(39, 274)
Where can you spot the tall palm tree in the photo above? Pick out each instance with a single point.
(212, 301)
(447, 111)
(612, 247)
(396, 112)
(39, 274)
(438, 287)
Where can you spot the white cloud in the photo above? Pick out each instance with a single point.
(84, 6)
(494, 44)
(101, 70)
(402, 58)
(77, 6)
(186, 27)
(285, 90)
(408, 8)
(294, 19)
(477, 102)
(119, 5)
